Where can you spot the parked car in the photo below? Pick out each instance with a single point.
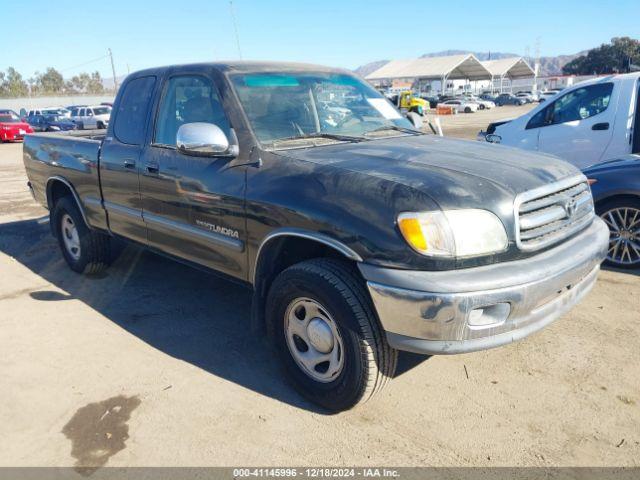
(461, 105)
(527, 97)
(544, 96)
(433, 100)
(50, 123)
(7, 111)
(586, 124)
(508, 99)
(12, 128)
(49, 111)
(615, 185)
(93, 117)
(482, 104)
(357, 239)
(488, 96)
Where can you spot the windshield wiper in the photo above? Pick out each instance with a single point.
(331, 136)
(395, 128)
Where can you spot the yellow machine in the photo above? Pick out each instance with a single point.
(410, 103)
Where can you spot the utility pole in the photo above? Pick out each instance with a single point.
(536, 66)
(235, 27)
(113, 70)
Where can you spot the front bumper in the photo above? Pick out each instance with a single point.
(458, 311)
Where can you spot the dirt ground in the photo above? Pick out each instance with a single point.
(152, 364)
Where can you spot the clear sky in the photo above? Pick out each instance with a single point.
(65, 34)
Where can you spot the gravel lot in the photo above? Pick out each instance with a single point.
(153, 364)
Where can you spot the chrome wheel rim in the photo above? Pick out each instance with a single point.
(624, 235)
(314, 340)
(70, 237)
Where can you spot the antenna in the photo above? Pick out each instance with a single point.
(113, 70)
(235, 27)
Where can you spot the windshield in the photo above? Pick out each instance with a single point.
(9, 118)
(101, 110)
(292, 106)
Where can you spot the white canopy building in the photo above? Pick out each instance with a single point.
(509, 69)
(494, 74)
(455, 67)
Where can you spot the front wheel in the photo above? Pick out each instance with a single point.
(327, 334)
(467, 109)
(85, 250)
(622, 216)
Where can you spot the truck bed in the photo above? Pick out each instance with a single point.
(68, 157)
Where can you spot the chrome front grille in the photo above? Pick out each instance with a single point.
(549, 214)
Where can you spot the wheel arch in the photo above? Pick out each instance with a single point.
(616, 195)
(58, 187)
(283, 248)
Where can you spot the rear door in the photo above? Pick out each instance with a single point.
(579, 124)
(193, 206)
(120, 159)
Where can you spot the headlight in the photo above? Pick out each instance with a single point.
(453, 233)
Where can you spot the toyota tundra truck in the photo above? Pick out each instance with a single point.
(359, 235)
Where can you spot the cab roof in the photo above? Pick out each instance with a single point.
(244, 67)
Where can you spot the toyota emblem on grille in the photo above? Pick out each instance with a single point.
(570, 207)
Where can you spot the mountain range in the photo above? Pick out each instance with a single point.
(548, 65)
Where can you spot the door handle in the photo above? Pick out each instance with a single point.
(129, 164)
(152, 167)
(600, 126)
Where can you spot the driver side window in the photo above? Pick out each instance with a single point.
(188, 99)
(581, 103)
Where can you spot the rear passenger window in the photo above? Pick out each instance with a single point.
(132, 111)
(188, 99)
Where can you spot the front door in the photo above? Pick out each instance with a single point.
(120, 160)
(579, 124)
(193, 206)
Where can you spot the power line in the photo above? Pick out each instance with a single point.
(83, 64)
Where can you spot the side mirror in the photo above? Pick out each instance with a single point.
(493, 138)
(415, 119)
(203, 139)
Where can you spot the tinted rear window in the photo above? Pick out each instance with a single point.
(132, 112)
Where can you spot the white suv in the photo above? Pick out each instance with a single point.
(91, 117)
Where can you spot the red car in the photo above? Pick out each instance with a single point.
(11, 127)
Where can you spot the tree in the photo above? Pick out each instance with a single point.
(12, 84)
(95, 83)
(607, 58)
(50, 81)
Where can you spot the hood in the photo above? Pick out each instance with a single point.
(454, 173)
(629, 162)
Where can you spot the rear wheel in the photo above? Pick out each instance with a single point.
(85, 250)
(328, 335)
(622, 216)
(467, 109)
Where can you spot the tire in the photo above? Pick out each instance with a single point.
(85, 251)
(481, 107)
(623, 213)
(80, 125)
(328, 293)
(100, 126)
(467, 109)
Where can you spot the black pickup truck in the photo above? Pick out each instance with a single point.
(358, 234)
